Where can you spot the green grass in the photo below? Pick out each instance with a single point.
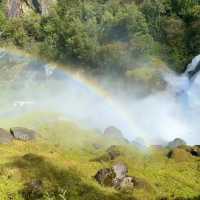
(61, 157)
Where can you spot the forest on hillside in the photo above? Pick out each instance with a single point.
(109, 36)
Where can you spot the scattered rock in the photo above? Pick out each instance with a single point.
(117, 177)
(5, 136)
(195, 151)
(176, 143)
(120, 170)
(113, 152)
(33, 190)
(126, 183)
(179, 155)
(131, 182)
(24, 134)
(113, 132)
(105, 176)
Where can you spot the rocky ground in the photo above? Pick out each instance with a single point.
(59, 160)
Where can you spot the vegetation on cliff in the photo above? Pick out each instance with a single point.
(109, 36)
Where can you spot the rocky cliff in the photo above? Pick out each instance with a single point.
(17, 8)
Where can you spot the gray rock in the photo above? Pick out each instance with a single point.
(5, 137)
(24, 134)
(105, 176)
(176, 143)
(126, 183)
(120, 170)
(195, 151)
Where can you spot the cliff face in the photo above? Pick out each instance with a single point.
(14, 8)
(17, 8)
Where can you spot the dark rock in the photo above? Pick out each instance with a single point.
(113, 132)
(117, 177)
(176, 143)
(179, 155)
(24, 134)
(5, 137)
(105, 176)
(113, 152)
(33, 190)
(195, 151)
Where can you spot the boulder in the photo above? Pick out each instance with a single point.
(176, 143)
(131, 182)
(24, 134)
(179, 155)
(113, 132)
(120, 170)
(113, 152)
(5, 136)
(116, 177)
(105, 176)
(195, 151)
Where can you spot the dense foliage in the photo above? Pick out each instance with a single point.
(110, 35)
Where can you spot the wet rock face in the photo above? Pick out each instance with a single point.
(5, 137)
(111, 153)
(24, 134)
(176, 143)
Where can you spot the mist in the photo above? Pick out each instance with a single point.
(32, 85)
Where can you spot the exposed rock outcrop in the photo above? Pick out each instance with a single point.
(111, 154)
(17, 8)
(117, 177)
(5, 136)
(24, 134)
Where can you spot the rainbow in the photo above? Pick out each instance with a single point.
(92, 86)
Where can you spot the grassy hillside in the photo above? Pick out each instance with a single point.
(63, 159)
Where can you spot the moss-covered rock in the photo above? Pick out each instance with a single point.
(179, 155)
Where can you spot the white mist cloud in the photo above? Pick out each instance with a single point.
(157, 118)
